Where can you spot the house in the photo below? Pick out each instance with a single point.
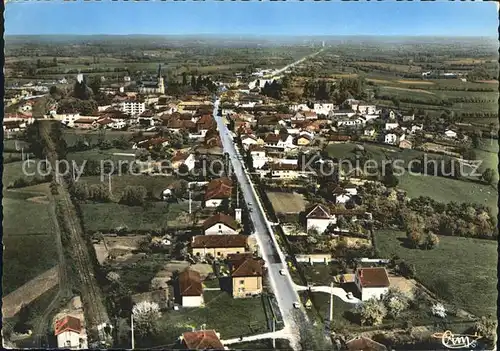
(282, 170)
(258, 154)
(159, 296)
(69, 333)
(220, 224)
(370, 131)
(190, 288)
(181, 158)
(202, 340)
(323, 108)
(85, 123)
(391, 125)
(364, 344)
(354, 120)
(319, 217)
(217, 191)
(450, 133)
(205, 123)
(372, 282)
(218, 246)
(248, 140)
(246, 275)
(361, 107)
(338, 138)
(392, 115)
(405, 144)
(341, 113)
(416, 128)
(394, 138)
(303, 140)
(409, 118)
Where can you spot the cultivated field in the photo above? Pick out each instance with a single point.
(463, 271)
(287, 203)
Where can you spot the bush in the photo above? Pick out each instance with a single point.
(134, 195)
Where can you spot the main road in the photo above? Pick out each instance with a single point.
(282, 285)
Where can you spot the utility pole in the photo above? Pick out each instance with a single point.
(109, 184)
(331, 302)
(132, 328)
(189, 192)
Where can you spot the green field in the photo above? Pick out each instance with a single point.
(107, 216)
(14, 170)
(153, 184)
(463, 271)
(446, 189)
(29, 243)
(230, 317)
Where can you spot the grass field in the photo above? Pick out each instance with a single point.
(153, 184)
(14, 170)
(230, 317)
(446, 189)
(287, 202)
(160, 215)
(463, 270)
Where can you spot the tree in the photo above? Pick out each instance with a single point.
(310, 336)
(438, 309)
(24, 315)
(184, 78)
(396, 302)
(414, 237)
(146, 315)
(80, 190)
(372, 312)
(487, 328)
(431, 240)
(134, 195)
(488, 175)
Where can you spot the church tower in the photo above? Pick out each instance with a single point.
(161, 83)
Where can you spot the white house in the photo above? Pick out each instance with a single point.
(450, 133)
(391, 125)
(394, 138)
(392, 115)
(323, 109)
(190, 288)
(248, 140)
(69, 333)
(354, 120)
(287, 144)
(416, 128)
(220, 224)
(299, 107)
(258, 154)
(319, 217)
(369, 117)
(372, 282)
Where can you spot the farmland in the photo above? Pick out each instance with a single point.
(456, 270)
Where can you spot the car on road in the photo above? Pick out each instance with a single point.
(296, 305)
(250, 209)
(282, 272)
(350, 296)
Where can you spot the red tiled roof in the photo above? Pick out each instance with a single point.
(202, 340)
(85, 120)
(205, 122)
(247, 267)
(374, 277)
(219, 241)
(220, 218)
(68, 323)
(190, 283)
(220, 188)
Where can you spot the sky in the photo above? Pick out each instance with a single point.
(440, 18)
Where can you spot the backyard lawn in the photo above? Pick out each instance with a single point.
(462, 271)
(230, 317)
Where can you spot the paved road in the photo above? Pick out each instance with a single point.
(339, 292)
(282, 285)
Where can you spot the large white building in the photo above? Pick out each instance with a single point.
(132, 107)
(372, 282)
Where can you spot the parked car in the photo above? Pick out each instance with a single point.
(296, 305)
(350, 296)
(282, 272)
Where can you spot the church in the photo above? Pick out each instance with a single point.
(154, 86)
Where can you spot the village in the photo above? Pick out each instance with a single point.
(230, 216)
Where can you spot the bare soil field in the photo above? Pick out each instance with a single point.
(116, 246)
(28, 292)
(408, 89)
(287, 202)
(404, 81)
(492, 81)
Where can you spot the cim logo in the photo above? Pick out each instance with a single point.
(457, 341)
